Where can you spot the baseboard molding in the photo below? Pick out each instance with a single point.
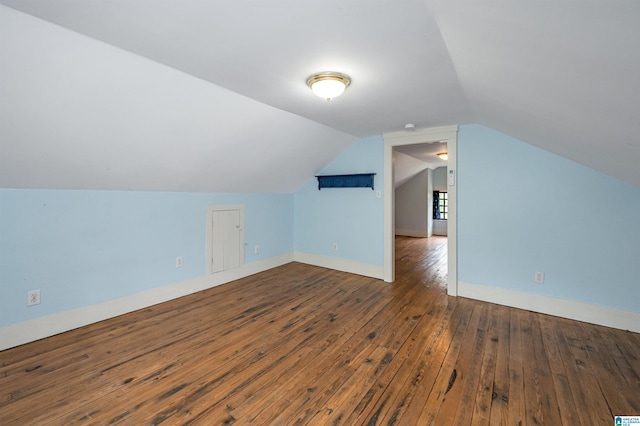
(340, 264)
(594, 314)
(412, 233)
(39, 328)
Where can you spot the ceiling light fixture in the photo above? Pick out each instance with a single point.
(443, 155)
(328, 84)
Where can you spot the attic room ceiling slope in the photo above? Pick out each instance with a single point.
(266, 50)
(76, 113)
(561, 75)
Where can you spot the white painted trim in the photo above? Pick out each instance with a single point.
(412, 233)
(452, 219)
(447, 134)
(580, 311)
(431, 134)
(209, 235)
(389, 214)
(339, 264)
(39, 328)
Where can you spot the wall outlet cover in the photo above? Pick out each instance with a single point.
(33, 297)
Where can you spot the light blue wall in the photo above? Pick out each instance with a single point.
(522, 209)
(350, 217)
(84, 247)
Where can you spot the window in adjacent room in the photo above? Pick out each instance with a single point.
(440, 205)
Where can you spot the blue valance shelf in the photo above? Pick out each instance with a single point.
(361, 180)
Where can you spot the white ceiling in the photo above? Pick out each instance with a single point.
(425, 152)
(409, 160)
(202, 95)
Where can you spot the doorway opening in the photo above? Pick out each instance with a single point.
(424, 259)
(448, 135)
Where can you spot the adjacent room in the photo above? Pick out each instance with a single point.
(402, 213)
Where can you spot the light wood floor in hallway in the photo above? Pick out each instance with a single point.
(305, 345)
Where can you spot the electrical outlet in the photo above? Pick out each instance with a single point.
(33, 297)
(256, 250)
(539, 277)
(179, 262)
(335, 246)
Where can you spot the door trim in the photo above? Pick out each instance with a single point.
(448, 134)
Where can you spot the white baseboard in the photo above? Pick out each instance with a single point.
(39, 328)
(340, 264)
(594, 314)
(412, 233)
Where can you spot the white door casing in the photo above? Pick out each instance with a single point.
(448, 134)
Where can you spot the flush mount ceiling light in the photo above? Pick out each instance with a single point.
(328, 84)
(443, 155)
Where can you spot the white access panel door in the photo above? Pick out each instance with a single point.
(225, 239)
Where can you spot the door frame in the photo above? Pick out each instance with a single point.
(448, 134)
(209, 237)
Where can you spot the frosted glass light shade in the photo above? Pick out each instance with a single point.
(328, 89)
(328, 85)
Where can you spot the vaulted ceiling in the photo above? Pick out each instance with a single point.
(201, 95)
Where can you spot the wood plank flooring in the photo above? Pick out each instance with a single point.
(304, 345)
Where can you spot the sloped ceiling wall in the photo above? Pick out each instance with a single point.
(76, 113)
(561, 75)
(220, 102)
(406, 167)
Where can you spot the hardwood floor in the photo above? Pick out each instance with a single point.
(304, 345)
